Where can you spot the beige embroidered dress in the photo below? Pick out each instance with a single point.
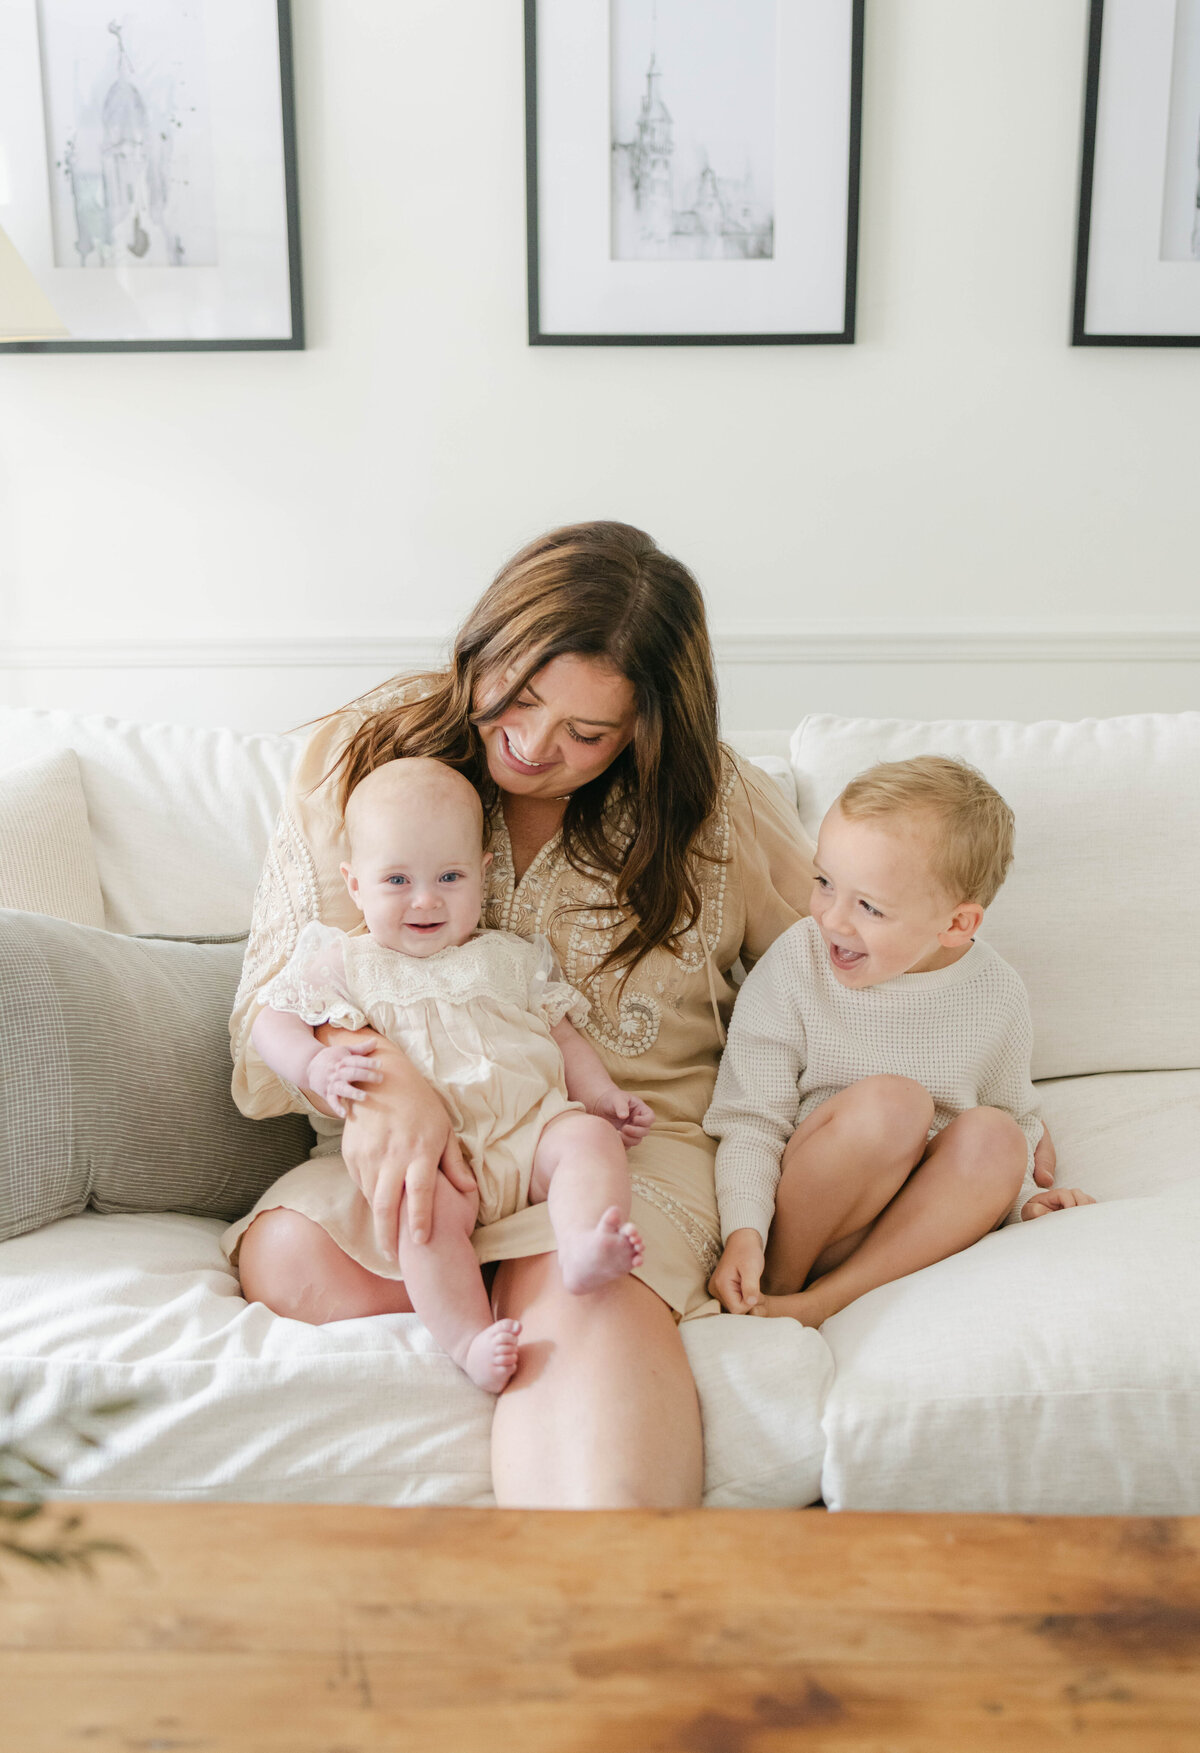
(659, 1034)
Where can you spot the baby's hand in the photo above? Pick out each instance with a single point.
(1054, 1199)
(632, 1118)
(739, 1272)
(335, 1073)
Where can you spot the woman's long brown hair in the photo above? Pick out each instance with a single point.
(595, 590)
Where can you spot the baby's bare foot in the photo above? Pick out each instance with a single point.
(802, 1307)
(590, 1258)
(491, 1357)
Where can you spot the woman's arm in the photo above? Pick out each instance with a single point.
(774, 860)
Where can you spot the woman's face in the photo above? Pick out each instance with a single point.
(567, 725)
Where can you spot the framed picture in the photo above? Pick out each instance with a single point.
(148, 171)
(1137, 265)
(692, 171)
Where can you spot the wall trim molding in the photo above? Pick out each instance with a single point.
(1123, 641)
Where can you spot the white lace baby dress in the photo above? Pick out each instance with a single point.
(474, 1020)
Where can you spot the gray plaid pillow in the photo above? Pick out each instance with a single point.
(114, 1079)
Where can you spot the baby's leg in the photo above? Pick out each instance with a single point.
(443, 1279)
(967, 1179)
(579, 1169)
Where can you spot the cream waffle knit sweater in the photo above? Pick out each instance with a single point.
(798, 1037)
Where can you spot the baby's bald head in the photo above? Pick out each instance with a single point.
(402, 793)
(416, 830)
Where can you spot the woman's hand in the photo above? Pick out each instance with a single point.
(396, 1139)
(739, 1272)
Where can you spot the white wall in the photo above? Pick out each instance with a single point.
(961, 476)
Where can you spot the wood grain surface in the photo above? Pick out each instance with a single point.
(298, 1629)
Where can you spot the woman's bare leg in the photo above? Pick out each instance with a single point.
(446, 1287)
(969, 1177)
(297, 1269)
(841, 1167)
(602, 1411)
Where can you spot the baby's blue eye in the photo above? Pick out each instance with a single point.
(397, 880)
(450, 876)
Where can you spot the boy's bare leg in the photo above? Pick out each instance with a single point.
(444, 1281)
(841, 1167)
(968, 1178)
(579, 1169)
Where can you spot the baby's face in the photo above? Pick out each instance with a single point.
(877, 904)
(418, 880)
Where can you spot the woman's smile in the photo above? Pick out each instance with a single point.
(516, 760)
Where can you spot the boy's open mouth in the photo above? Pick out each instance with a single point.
(846, 959)
(436, 926)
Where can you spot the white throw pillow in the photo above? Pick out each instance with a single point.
(47, 864)
(1101, 914)
(180, 818)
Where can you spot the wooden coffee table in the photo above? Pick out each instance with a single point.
(293, 1629)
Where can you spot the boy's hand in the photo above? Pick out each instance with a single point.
(739, 1272)
(335, 1074)
(632, 1118)
(1054, 1199)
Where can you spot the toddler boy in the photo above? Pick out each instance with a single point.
(874, 1105)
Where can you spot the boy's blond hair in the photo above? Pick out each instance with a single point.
(972, 847)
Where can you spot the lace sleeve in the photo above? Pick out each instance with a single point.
(550, 996)
(301, 881)
(312, 984)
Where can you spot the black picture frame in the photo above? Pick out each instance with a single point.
(1081, 335)
(538, 337)
(295, 341)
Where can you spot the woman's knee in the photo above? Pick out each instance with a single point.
(892, 1114)
(279, 1257)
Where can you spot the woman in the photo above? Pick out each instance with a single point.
(581, 701)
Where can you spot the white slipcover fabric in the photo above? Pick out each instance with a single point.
(1051, 1369)
(234, 1402)
(180, 818)
(1101, 913)
(46, 860)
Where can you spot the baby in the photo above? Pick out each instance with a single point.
(874, 1104)
(487, 1019)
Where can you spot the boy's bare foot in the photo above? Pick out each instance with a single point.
(803, 1306)
(491, 1357)
(590, 1258)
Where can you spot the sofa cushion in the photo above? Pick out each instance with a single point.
(114, 1079)
(1101, 914)
(46, 860)
(1052, 1368)
(180, 818)
(235, 1402)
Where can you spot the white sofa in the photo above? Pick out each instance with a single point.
(1054, 1367)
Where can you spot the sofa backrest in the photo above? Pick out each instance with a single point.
(1101, 913)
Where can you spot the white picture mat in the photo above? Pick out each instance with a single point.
(1130, 289)
(802, 290)
(248, 295)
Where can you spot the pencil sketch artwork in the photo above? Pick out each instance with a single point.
(129, 135)
(1181, 186)
(693, 129)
